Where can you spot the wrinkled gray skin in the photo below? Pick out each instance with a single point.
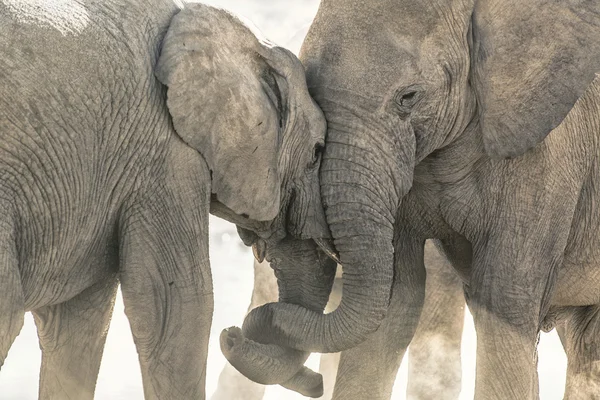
(438, 117)
(234, 385)
(305, 277)
(104, 180)
(434, 363)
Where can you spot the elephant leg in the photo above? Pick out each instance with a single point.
(232, 384)
(508, 296)
(535, 392)
(12, 303)
(72, 336)
(580, 334)
(328, 367)
(368, 371)
(165, 276)
(434, 365)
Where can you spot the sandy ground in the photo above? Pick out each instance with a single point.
(285, 22)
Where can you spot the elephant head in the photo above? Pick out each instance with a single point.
(243, 104)
(398, 80)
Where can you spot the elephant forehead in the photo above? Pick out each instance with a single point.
(412, 41)
(66, 16)
(370, 66)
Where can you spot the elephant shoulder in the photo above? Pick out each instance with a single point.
(183, 160)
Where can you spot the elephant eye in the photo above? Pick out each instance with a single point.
(317, 154)
(406, 99)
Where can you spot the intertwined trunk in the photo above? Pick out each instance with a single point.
(305, 276)
(366, 169)
(365, 172)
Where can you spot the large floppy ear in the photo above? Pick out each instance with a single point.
(225, 102)
(531, 61)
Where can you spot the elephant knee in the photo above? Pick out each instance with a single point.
(582, 337)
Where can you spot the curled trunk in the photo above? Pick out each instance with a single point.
(367, 168)
(270, 364)
(363, 178)
(305, 276)
(367, 279)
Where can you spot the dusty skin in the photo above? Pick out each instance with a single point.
(476, 124)
(119, 374)
(115, 146)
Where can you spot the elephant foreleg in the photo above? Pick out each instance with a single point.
(232, 384)
(580, 335)
(166, 279)
(72, 336)
(434, 365)
(12, 307)
(508, 296)
(369, 370)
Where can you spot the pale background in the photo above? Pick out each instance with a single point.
(284, 22)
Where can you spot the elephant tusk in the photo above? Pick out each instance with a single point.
(259, 249)
(328, 248)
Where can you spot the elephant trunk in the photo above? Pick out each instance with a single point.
(270, 364)
(363, 177)
(305, 276)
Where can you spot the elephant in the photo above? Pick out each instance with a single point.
(474, 123)
(122, 125)
(434, 365)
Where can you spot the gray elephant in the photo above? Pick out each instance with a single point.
(105, 180)
(434, 369)
(439, 117)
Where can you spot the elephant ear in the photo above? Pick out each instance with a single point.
(532, 60)
(223, 101)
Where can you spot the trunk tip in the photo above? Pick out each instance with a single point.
(229, 339)
(306, 382)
